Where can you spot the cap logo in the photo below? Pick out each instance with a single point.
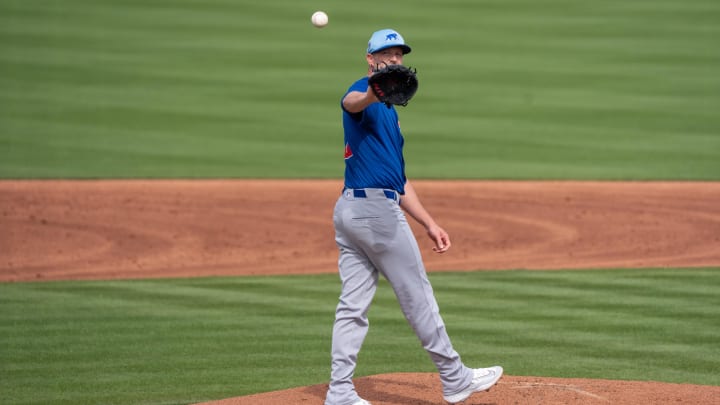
(391, 37)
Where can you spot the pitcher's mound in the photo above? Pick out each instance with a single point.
(425, 389)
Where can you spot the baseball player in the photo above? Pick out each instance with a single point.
(374, 238)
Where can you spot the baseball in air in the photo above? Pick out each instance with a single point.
(319, 19)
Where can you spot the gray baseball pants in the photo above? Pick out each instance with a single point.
(374, 237)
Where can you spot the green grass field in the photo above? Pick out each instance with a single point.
(514, 89)
(181, 341)
(508, 89)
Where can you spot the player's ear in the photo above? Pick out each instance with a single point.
(370, 61)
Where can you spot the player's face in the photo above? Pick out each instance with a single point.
(387, 56)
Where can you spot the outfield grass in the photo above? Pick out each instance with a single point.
(519, 89)
(187, 340)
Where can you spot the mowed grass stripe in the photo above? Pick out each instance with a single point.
(124, 80)
(143, 337)
(611, 90)
(595, 89)
(186, 340)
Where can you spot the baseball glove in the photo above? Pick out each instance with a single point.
(394, 84)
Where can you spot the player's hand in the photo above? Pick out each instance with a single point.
(441, 239)
(371, 97)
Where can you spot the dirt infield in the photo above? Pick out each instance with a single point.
(425, 389)
(127, 229)
(54, 230)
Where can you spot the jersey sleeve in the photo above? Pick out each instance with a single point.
(361, 86)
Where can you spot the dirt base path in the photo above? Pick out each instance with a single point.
(53, 230)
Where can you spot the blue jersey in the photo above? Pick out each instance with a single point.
(373, 146)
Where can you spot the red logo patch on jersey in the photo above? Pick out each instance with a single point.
(348, 152)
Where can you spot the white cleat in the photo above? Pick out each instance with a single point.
(483, 379)
(362, 402)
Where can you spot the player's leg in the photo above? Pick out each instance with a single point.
(401, 263)
(359, 283)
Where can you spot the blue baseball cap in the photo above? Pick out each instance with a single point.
(386, 38)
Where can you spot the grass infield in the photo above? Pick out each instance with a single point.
(179, 341)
